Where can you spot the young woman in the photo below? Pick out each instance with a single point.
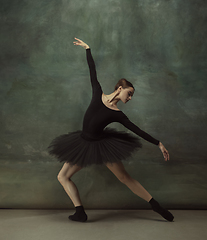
(96, 144)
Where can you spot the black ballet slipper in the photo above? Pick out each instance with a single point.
(79, 215)
(163, 212)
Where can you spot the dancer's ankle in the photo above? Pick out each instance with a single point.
(79, 215)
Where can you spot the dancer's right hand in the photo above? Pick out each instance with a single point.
(81, 43)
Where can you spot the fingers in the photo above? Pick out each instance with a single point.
(78, 42)
(78, 39)
(166, 155)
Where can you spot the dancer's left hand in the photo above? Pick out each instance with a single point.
(164, 152)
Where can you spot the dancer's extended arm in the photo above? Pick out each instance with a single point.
(131, 126)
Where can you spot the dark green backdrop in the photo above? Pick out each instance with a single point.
(160, 46)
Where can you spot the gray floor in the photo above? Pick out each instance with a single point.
(102, 225)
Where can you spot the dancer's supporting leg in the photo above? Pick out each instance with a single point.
(120, 172)
(64, 177)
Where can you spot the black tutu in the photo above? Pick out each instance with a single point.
(79, 149)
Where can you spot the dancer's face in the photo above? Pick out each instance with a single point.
(126, 94)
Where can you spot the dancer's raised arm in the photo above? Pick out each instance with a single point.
(94, 81)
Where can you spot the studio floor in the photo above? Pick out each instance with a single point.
(102, 225)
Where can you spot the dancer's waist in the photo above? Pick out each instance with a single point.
(90, 136)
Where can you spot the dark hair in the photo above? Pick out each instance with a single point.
(124, 83)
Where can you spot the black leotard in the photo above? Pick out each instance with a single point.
(98, 115)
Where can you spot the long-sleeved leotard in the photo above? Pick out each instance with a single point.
(98, 115)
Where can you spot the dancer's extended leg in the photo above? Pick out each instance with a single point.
(64, 177)
(120, 172)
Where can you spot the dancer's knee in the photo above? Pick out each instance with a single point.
(61, 178)
(67, 172)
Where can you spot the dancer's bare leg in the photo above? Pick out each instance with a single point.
(64, 177)
(120, 172)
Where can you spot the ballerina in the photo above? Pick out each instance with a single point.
(98, 144)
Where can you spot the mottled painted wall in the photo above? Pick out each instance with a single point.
(160, 46)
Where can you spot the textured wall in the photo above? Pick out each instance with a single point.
(160, 46)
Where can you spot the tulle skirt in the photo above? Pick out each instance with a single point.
(79, 149)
